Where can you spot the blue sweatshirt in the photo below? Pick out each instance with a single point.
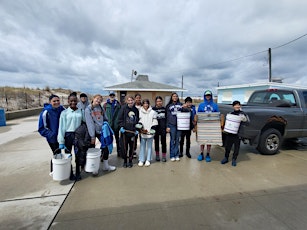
(171, 113)
(208, 106)
(48, 124)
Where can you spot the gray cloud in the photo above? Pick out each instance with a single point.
(87, 45)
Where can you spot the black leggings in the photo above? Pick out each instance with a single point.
(128, 141)
(232, 139)
(163, 141)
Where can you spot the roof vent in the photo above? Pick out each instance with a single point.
(142, 78)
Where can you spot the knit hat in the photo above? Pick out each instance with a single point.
(83, 95)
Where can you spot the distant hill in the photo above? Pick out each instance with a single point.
(12, 99)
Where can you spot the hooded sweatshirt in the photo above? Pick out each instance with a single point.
(148, 118)
(208, 106)
(94, 117)
(48, 124)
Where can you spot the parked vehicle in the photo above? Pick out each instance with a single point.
(275, 115)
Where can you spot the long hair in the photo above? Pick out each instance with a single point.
(171, 100)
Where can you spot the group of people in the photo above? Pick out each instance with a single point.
(82, 122)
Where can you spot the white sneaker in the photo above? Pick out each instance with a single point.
(172, 158)
(109, 168)
(177, 159)
(140, 163)
(147, 163)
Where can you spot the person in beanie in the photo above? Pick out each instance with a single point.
(83, 103)
(161, 129)
(208, 106)
(234, 139)
(112, 108)
(187, 133)
(48, 124)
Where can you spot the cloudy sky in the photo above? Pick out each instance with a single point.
(88, 45)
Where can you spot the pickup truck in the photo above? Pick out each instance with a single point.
(275, 115)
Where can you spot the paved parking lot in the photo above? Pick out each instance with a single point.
(262, 192)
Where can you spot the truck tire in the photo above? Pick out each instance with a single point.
(269, 142)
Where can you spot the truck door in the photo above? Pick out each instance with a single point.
(304, 108)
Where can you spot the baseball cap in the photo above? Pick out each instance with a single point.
(208, 92)
(112, 93)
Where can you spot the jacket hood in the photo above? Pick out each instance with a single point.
(142, 110)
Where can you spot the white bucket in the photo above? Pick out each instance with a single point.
(232, 123)
(61, 164)
(183, 121)
(92, 160)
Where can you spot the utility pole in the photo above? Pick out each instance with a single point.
(133, 73)
(182, 86)
(270, 65)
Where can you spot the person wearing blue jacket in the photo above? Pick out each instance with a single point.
(208, 106)
(48, 124)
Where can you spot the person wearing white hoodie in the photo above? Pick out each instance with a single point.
(148, 120)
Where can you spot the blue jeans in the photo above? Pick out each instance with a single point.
(144, 142)
(175, 139)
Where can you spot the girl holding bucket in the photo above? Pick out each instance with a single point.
(232, 137)
(148, 119)
(48, 124)
(70, 120)
(94, 117)
(173, 106)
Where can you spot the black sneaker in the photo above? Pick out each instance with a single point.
(134, 155)
(125, 165)
(180, 155)
(163, 159)
(157, 158)
(130, 164)
(188, 155)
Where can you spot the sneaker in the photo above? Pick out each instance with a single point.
(125, 165)
(95, 173)
(200, 157)
(224, 161)
(157, 158)
(234, 163)
(172, 158)
(78, 177)
(140, 163)
(177, 158)
(134, 155)
(72, 177)
(180, 155)
(163, 159)
(188, 155)
(130, 164)
(109, 168)
(208, 158)
(147, 163)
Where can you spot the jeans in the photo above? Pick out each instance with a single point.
(175, 139)
(144, 142)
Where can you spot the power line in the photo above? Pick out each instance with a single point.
(236, 59)
(290, 42)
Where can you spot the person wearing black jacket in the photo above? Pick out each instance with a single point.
(233, 138)
(161, 129)
(127, 119)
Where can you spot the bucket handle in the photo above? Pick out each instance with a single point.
(60, 151)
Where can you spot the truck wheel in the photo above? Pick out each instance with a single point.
(269, 142)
